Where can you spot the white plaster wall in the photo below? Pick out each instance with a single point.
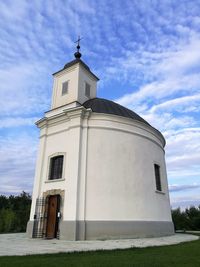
(55, 143)
(120, 183)
(83, 78)
(62, 135)
(70, 75)
(62, 142)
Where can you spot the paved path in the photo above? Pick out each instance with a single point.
(20, 244)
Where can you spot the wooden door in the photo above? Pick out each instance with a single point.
(52, 217)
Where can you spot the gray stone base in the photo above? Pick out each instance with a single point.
(101, 230)
(29, 228)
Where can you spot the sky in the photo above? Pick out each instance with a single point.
(146, 54)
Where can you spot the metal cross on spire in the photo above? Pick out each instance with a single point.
(78, 54)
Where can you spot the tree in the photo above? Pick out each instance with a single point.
(14, 212)
(194, 217)
(186, 220)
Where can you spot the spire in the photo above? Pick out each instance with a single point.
(77, 54)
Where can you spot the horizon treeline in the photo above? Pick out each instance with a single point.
(15, 211)
(188, 219)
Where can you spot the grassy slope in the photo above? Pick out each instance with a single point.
(186, 254)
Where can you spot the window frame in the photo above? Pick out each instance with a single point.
(157, 175)
(50, 158)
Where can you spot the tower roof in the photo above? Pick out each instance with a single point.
(74, 62)
(77, 60)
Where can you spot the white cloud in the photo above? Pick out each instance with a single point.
(17, 121)
(11, 10)
(183, 154)
(166, 73)
(187, 138)
(158, 90)
(22, 89)
(178, 62)
(17, 161)
(167, 121)
(83, 6)
(170, 102)
(180, 104)
(176, 187)
(185, 201)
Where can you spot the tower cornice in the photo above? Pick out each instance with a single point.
(74, 62)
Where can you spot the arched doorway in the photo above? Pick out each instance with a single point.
(53, 215)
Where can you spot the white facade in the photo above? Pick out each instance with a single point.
(108, 187)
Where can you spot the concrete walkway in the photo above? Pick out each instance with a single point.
(20, 244)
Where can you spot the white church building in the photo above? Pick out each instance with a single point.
(100, 171)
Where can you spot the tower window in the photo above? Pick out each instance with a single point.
(64, 88)
(157, 177)
(87, 90)
(56, 167)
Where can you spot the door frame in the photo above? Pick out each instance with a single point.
(56, 227)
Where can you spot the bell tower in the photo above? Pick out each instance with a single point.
(74, 84)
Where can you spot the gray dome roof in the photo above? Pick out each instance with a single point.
(101, 105)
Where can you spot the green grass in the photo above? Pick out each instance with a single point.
(185, 254)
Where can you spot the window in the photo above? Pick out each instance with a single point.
(64, 88)
(56, 167)
(157, 177)
(87, 90)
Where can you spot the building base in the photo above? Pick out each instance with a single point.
(102, 230)
(29, 228)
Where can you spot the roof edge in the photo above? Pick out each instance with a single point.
(133, 116)
(74, 62)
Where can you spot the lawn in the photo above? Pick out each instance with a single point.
(185, 254)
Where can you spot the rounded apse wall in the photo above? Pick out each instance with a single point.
(120, 181)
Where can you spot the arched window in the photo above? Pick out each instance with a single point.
(56, 167)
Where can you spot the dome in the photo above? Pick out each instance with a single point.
(101, 105)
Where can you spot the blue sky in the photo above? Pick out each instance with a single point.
(146, 54)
